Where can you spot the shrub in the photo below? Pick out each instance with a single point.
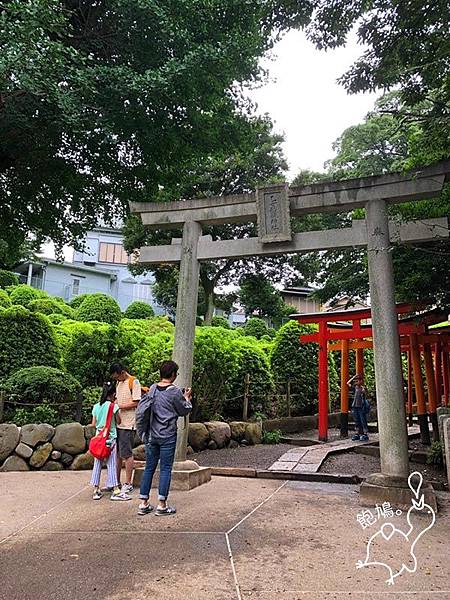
(26, 340)
(56, 318)
(139, 310)
(49, 306)
(256, 327)
(291, 360)
(25, 294)
(91, 395)
(99, 307)
(133, 333)
(43, 386)
(7, 278)
(39, 414)
(78, 300)
(272, 437)
(5, 301)
(435, 454)
(220, 322)
(145, 361)
(88, 349)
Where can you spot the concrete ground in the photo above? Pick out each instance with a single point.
(232, 539)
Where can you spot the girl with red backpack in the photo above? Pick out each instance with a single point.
(104, 418)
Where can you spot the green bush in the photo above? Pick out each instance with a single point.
(99, 307)
(145, 361)
(49, 306)
(39, 414)
(256, 327)
(5, 301)
(435, 454)
(25, 294)
(7, 278)
(139, 310)
(56, 318)
(43, 386)
(78, 300)
(272, 437)
(220, 322)
(87, 349)
(26, 340)
(133, 333)
(291, 360)
(91, 395)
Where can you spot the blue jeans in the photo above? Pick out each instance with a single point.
(162, 450)
(360, 416)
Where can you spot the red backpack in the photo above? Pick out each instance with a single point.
(98, 445)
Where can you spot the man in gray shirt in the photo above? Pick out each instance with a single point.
(168, 402)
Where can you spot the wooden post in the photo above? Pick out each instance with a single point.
(445, 375)
(438, 372)
(410, 390)
(288, 397)
(2, 404)
(360, 361)
(246, 395)
(429, 373)
(418, 385)
(344, 388)
(323, 382)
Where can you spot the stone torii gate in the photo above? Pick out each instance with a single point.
(272, 207)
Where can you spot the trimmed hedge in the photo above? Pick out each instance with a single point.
(219, 321)
(25, 294)
(99, 307)
(7, 278)
(256, 327)
(49, 306)
(139, 310)
(26, 340)
(5, 301)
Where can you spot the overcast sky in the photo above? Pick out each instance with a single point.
(306, 103)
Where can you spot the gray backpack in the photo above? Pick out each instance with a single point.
(143, 414)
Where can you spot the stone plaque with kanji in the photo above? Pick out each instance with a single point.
(274, 223)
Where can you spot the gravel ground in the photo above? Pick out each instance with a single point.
(359, 464)
(260, 456)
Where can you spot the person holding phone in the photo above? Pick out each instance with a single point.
(359, 408)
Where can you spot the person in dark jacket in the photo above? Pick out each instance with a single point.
(168, 403)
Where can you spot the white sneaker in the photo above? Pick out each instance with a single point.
(127, 488)
(121, 497)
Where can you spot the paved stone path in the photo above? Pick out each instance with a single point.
(309, 459)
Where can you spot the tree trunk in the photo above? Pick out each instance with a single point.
(209, 307)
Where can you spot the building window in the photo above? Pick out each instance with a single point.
(75, 287)
(113, 253)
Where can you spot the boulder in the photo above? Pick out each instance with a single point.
(24, 451)
(212, 445)
(253, 433)
(66, 459)
(237, 430)
(40, 455)
(32, 435)
(139, 452)
(56, 455)
(9, 438)
(15, 463)
(89, 432)
(219, 432)
(82, 462)
(69, 437)
(198, 436)
(52, 465)
(233, 444)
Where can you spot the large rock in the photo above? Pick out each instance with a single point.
(219, 432)
(69, 437)
(198, 436)
(238, 430)
(66, 459)
(253, 433)
(9, 438)
(24, 451)
(52, 465)
(82, 462)
(89, 432)
(139, 452)
(40, 455)
(32, 435)
(15, 463)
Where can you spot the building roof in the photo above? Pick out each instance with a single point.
(67, 265)
(298, 291)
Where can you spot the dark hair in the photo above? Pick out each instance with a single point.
(167, 369)
(117, 368)
(109, 389)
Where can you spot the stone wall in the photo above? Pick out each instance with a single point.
(47, 448)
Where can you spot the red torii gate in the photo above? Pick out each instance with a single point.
(413, 337)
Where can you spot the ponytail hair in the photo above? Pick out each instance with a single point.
(109, 389)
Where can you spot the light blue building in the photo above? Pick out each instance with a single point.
(101, 267)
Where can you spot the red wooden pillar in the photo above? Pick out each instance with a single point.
(410, 390)
(445, 374)
(438, 372)
(323, 382)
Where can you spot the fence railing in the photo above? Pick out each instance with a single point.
(77, 404)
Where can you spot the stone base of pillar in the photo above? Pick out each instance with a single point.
(379, 488)
(186, 476)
